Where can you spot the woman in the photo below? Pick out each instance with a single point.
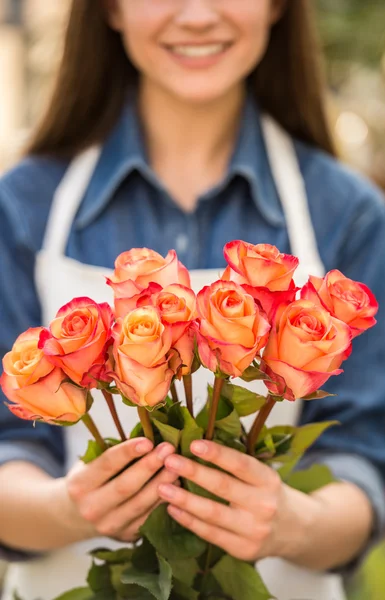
(157, 136)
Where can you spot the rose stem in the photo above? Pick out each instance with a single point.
(146, 423)
(90, 424)
(218, 383)
(111, 405)
(174, 393)
(259, 422)
(187, 382)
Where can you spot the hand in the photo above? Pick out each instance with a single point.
(257, 520)
(105, 503)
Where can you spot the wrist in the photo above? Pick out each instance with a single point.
(67, 522)
(297, 518)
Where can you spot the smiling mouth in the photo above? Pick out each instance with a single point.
(195, 51)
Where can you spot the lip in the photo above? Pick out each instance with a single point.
(197, 62)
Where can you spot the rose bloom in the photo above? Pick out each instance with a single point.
(143, 266)
(262, 265)
(77, 338)
(144, 361)
(350, 301)
(231, 328)
(306, 346)
(35, 386)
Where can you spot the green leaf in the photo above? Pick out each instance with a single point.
(145, 558)
(243, 400)
(240, 580)
(93, 451)
(99, 578)
(113, 557)
(170, 539)
(158, 584)
(137, 431)
(185, 570)
(224, 438)
(75, 594)
(168, 433)
(196, 489)
(311, 479)
(176, 415)
(181, 591)
(227, 418)
(318, 395)
(303, 438)
(254, 373)
(190, 432)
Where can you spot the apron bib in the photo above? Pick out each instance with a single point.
(59, 279)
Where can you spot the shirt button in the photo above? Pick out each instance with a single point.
(181, 243)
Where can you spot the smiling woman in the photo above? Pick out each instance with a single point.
(202, 119)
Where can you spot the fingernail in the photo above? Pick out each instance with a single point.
(167, 490)
(164, 450)
(174, 463)
(143, 446)
(199, 448)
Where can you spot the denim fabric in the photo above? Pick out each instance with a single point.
(127, 206)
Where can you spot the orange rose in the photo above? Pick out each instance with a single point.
(306, 346)
(35, 386)
(350, 301)
(261, 265)
(231, 328)
(26, 362)
(177, 306)
(144, 266)
(78, 337)
(144, 361)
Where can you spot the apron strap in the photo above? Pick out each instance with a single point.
(67, 199)
(291, 189)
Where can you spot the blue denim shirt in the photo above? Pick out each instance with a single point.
(127, 206)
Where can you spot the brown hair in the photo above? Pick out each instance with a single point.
(95, 75)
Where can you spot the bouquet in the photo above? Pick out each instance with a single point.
(253, 324)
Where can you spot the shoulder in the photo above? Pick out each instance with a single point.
(26, 193)
(336, 193)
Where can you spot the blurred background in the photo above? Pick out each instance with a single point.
(353, 37)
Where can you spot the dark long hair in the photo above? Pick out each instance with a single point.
(95, 74)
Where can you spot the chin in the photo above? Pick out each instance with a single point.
(200, 94)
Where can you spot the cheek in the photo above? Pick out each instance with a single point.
(253, 24)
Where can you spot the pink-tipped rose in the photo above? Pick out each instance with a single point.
(78, 337)
(231, 328)
(35, 387)
(306, 346)
(350, 301)
(143, 266)
(262, 265)
(145, 364)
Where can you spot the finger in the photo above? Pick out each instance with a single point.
(231, 543)
(121, 517)
(235, 520)
(117, 491)
(132, 532)
(221, 484)
(242, 466)
(93, 475)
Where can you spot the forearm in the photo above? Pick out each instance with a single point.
(327, 529)
(35, 513)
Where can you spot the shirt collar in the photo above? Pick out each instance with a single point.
(124, 152)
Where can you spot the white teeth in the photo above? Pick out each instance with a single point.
(198, 51)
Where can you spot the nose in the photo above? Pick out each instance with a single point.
(197, 14)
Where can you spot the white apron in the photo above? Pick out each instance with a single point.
(60, 278)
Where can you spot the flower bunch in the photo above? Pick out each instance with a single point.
(253, 323)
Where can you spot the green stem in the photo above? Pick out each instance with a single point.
(111, 405)
(90, 424)
(218, 384)
(187, 382)
(258, 424)
(174, 393)
(206, 571)
(146, 423)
